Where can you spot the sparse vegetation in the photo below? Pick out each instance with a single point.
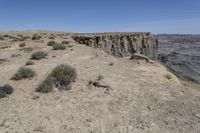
(65, 42)
(1, 38)
(51, 43)
(111, 64)
(70, 46)
(30, 62)
(61, 78)
(3, 60)
(27, 50)
(6, 90)
(15, 55)
(167, 76)
(36, 37)
(38, 55)
(5, 35)
(22, 45)
(100, 77)
(59, 47)
(24, 73)
(52, 37)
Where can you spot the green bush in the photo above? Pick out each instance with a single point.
(38, 55)
(59, 47)
(51, 43)
(24, 73)
(167, 76)
(61, 78)
(36, 37)
(30, 62)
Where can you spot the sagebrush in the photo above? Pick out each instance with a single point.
(24, 73)
(61, 78)
(59, 46)
(39, 55)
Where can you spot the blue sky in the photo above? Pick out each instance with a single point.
(156, 16)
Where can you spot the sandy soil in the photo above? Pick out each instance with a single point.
(142, 99)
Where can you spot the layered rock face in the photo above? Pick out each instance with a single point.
(121, 44)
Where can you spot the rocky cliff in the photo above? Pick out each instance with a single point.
(121, 44)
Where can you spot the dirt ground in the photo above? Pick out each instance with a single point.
(142, 100)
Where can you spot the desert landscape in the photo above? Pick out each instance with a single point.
(180, 54)
(59, 82)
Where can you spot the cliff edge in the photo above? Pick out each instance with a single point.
(121, 44)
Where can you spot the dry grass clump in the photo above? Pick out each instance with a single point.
(24, 73)
(30, 62)
(100, 77)
(61, 78)
(167, 76)
(22, 45)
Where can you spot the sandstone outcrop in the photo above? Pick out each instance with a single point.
(121, 44)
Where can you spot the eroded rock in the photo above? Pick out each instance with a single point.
(121, 44)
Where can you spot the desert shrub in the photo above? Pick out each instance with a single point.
(3, 60)
(6, 90)
(22, 45)
(1, 38)
(51, 43)
(38, 55)
(27, 50)
(36, 37)
(99, 77)
(167, 76)
(111, 64)
(5, 35)
(11, 37)
(51, 37)
(15, 55)
(22, 39)
(30, 62)
(24, 73)
(61, 78)
(59, 47)
(46, 85)
(70, 46)
(2, 93)
(65, 42)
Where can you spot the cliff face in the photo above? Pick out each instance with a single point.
(121, 44)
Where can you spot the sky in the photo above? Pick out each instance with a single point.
(156, 16)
